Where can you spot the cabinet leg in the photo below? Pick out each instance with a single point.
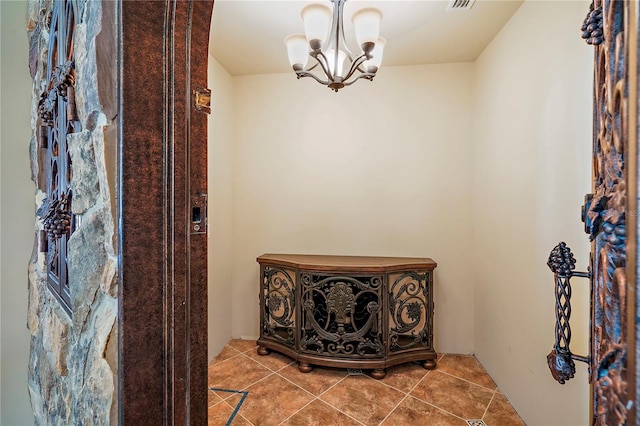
(429, 364)
(304, 367)
(263, 351)
(378, 373)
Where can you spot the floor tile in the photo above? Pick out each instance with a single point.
(273, 400)
(236, 374)
(363, 398)
(412, 411)
(466, 367)
(317, 413)
(457, 396)
(404, 376)
(317, 381)
(457, 389)
(219, 414)
(242, 345)
(501, 413)
(274, 361)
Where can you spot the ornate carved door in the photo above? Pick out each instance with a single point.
(610, 217)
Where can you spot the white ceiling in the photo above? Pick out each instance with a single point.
(247, 35)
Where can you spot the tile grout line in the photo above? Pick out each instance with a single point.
(331, 387)
(271, 372)
(258, 381)
(429, 403)
(398, 389)
(300, 409)
(469, 381)
(214, 362)
(237, 413)
(340, 411)
(439, 408)
(294, 383)
(489, 404)
(316, 398)
(266, 366)
(406, 395)
(334, 407)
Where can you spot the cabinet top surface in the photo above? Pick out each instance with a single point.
(348, 263)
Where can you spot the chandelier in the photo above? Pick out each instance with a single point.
(324, 41)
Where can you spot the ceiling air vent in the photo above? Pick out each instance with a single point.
(460, 4)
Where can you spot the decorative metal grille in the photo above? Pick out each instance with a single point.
(57, 112)
(341, 315)
(410, 307)
(279, 304)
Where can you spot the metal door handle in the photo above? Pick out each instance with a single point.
(560, 359)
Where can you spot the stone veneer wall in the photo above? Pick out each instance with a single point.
(73, 361)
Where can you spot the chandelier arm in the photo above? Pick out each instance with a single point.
(313, 67)
(324, 64)
(355, 65)
(301, 74)
(367, 76)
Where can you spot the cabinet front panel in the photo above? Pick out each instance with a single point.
(341, 315)
(278, 305)
(410, 311)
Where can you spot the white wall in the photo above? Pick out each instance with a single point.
(532, 167)
(16, 212)
(221, 138)
(380, 168)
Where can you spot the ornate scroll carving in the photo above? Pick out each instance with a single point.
(606, 214)
(58, 115)
(279, 304)
(340, 302)
(341, 315)
(410, 322)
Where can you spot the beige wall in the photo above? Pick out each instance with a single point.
(531, 149)
(16, 212)
(221, 138)
(380, 168)
(544, 64)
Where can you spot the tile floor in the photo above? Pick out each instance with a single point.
(249, 389)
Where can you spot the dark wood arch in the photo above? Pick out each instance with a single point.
(162, 62)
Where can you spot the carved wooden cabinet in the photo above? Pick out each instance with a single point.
(347, 311)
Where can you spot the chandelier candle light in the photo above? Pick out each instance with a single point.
(320, 24)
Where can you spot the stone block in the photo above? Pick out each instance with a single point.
(55, 340)
(84, 183)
